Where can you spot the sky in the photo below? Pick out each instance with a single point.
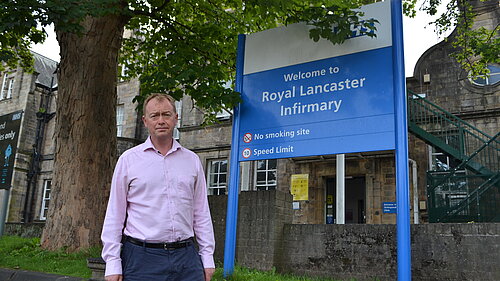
(418, 36)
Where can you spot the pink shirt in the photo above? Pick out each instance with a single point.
(164, 199)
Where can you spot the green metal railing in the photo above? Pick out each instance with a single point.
(470, 191)
(452, 135)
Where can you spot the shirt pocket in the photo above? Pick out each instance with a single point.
(184, 187)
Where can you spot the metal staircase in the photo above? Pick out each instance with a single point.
(471, 190)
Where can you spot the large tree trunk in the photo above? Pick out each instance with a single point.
(85, 134)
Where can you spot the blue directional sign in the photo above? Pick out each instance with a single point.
(389, 207)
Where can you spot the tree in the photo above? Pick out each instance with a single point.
(180, 47)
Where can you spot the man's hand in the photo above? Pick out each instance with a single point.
(209, 272)
(117, 277)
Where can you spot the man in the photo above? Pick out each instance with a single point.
(157, 204)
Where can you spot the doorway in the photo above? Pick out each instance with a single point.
(355, 192)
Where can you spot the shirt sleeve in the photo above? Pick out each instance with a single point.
(202, 222)
(114, 221)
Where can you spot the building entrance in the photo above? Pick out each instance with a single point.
(355, 193)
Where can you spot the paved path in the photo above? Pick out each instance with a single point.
(23, 275)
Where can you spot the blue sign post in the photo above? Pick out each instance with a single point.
(402, 184)
(326, 100)
(234, 172)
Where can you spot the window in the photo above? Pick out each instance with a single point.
(7, 87)
(10, 88)
(265, 174)
(119, 120)
(440, 162)
(3, 91)
(492, 78)
(217, 177)
(47, 184)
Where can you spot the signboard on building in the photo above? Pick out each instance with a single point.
(9, 133)
(389, 207)
(329, 99)
(299, 187)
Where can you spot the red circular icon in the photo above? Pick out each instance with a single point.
(247, 138)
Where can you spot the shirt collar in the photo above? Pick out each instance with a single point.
(148, 144)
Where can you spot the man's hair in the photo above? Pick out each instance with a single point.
(159, 97)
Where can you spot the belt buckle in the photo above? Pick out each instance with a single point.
(165, 246)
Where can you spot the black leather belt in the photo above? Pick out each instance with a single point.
(166, 246)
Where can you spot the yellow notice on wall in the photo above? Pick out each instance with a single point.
(300, 187)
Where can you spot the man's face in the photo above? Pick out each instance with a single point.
(160, 119)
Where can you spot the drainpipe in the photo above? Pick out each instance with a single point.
(43, 117)
(4, 209)
(34, 168)
(340, 206)
(416, 214)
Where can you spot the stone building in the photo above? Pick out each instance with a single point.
(33, 94)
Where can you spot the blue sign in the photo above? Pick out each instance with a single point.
(389, 207)
(335, 105)
(330, 219)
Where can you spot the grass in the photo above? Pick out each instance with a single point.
(245, 274)
(26, 254)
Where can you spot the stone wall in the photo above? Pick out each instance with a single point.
(26, 230)
(368, 252)
(218, 210)
(261, 217)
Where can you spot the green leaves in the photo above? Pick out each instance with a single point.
(18, 22)
(478, 48)
(336, 22)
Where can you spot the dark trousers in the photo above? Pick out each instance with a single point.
(155, 264)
